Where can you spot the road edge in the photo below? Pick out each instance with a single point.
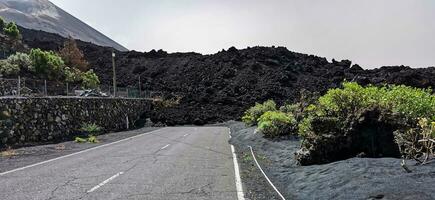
(76, 153)
(238, 180)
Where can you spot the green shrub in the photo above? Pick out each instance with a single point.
(80, 140)
(93, 139)
(72, 75)
(90, 139)
(410, 102)
(290, 108)
(11, 30)
(91, 128)
(22, 60)
(252, 114)
(7, 68)
(275, 123)
(47, 64)
(90, 80)
(356, 118)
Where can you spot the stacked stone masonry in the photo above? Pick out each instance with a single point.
(26, 121)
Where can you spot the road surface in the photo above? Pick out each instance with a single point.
(169, 163)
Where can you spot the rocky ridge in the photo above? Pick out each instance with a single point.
(219, 87)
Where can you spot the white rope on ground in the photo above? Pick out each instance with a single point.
(267, 178)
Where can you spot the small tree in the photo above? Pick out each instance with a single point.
(72, 75)
(90, 80)
(7, 68)
(22, 60)
(12, 31)
(72, 56)
(47, 64)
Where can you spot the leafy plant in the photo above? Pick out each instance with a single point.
(22, 60)
(11, 30)
(275, 123)
(370, 113)
(252, 115)
(47, 64)
(93, 139)
(72, 75)
(7, 68)
(80, 140)
(91, 128)
(90, 80)
(90, 139)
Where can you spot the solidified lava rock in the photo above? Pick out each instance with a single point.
(219, 87)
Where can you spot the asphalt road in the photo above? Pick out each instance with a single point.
(169, 163)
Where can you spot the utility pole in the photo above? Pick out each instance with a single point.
(114, 73)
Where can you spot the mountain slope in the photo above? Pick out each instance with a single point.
(44, 15)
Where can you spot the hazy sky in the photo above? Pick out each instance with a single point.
(371, 33)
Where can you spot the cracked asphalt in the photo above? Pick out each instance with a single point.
(169, 163)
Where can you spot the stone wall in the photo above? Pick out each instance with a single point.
(26, 121)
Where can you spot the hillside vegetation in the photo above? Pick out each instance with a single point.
(67, 65)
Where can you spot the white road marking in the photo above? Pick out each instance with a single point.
(267, 178)
(165, 147)
(239, 188)
(105, 182)
(73, 154)
(185, 135)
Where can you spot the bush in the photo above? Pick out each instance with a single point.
(252, 115)
(22, 60)
(7, 68)
(72, 56)
(90, 80)
(47, 64)
(11, 30)
(354, 119)
(72, 75)
(410, 102)
(274, 123)
(93, 139)
(91, 128)
(418, 141)
(80, 140)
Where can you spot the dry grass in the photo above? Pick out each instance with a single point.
(60, 147)
(8, 153)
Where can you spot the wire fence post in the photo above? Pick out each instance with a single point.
(19, 86)
(140, 89)
(45, 87)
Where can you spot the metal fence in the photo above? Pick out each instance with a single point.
(39, 88)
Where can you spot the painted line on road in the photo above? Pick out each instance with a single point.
(185, 135)
(267, 178)
(105, 182)
(80, 152)
(165, 147)
(239, 187)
